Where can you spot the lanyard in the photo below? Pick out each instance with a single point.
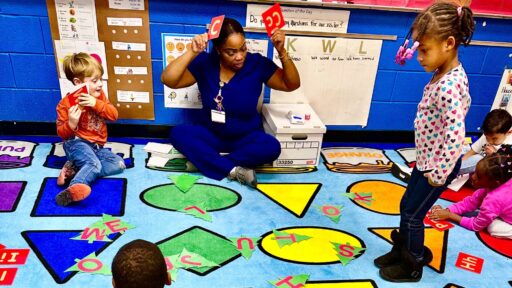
(218, 99)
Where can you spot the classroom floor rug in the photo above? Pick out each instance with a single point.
(315, 227)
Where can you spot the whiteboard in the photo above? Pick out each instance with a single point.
(337, 77)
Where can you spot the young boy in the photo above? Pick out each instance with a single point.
(497, 131)
(83, 129)
(139, 264)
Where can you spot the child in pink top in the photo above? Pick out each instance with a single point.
(493, 199)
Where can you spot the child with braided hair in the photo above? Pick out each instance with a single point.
(437, 32)
(494, 199)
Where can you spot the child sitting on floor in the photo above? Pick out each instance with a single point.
(139, 264)
(494, 198)
(497, 131)
(81, 125)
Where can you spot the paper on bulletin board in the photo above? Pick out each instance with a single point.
(257, 46)
(126, 4)
(302, 18)
(337, 77)
(76, 19)
(504, 94)
(66, 86)
(174, 45)
(64, 48)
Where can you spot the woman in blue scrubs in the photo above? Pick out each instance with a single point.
(230, 80)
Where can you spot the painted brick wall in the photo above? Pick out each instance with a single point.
(29, 89)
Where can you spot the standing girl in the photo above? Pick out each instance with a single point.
(439, 134)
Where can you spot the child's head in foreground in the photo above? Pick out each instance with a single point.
(139, 264)
(84, 68)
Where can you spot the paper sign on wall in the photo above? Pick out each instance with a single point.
(337, 77)
(504, 93)
(174, 45)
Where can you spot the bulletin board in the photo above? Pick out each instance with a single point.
(123, 27)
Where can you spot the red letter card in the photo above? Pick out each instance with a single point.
(215, 26)
(469, 262)
(273, 19)
(7, 276)
(438, 225)
(73, 96)
(13, 256)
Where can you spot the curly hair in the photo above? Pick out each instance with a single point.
(139, 264)
(498, 166)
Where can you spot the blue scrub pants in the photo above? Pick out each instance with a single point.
(203, 148)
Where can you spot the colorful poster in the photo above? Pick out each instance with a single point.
(76, 19)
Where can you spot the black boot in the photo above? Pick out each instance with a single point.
(392, 257)
(408, 270)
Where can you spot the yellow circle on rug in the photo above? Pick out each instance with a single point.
(319, 249)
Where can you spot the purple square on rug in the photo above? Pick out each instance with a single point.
(10, 193)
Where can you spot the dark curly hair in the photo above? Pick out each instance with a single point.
(498, 166)
(139, 264)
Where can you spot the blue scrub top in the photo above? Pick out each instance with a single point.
(240, 94)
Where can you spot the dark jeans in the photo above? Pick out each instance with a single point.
(418, 198)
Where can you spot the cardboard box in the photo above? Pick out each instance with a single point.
(300, 143)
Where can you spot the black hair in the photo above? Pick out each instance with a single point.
(229, 26)
(498, 166)
(442, 20)
(497, 121)
(139, 264)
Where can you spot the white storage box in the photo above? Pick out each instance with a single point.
(300, 143)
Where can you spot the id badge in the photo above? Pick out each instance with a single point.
(218, 116)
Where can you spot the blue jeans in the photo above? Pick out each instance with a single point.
(416, 202)
(92, 160)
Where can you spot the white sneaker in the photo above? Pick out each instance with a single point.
(245, 176)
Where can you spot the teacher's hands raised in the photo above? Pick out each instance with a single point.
(199, 43)
(278, 40)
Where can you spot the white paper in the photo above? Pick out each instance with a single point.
(257, 46)
(132, 96)
(158, 147)
(302, 18)
(126, 4)
(155, 161)
(337, 77)
(76, 19)
(504, 94)
(64, 48)
(128, 46)
(458, 182)
(112, 21)
(174, 45)
(119, 70)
